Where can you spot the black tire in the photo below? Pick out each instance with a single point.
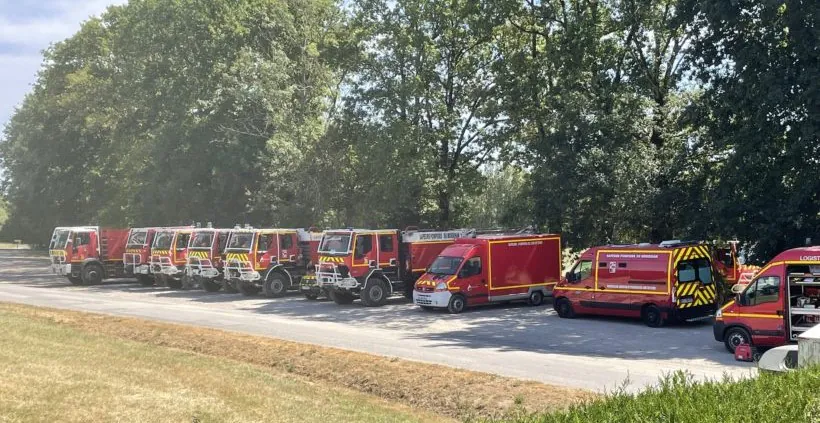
(276, 285)
(211, 285)
(564, 308)
(457, 304)
(229, 286)
(173, 282)
(145, 280)
(311, 297)
(736, 336)
(248, 289)
(75, 280)
(408, 290)
(536, 298)
(375, 292)
(187, 282)
(652, 317)
(341, 298)
(92, 274)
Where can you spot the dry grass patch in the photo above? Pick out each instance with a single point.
(51, 372)
(443, 390)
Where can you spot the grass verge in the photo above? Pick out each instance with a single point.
(436, 389)
(769, 398)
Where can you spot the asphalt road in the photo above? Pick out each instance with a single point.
(514, 340)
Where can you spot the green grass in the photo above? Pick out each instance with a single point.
(792, 397)
(49, 372)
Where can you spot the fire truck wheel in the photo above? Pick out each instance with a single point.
(92, 274)
(457, 304)
(564, 308)
(145, 280)
(229, 286)
(341, 298)
(375, 292)
(652, 316)
(75, 280)
(247, 289)
(536, 298)
(312, 297)
(210, 285)
(275, 285)
(734, 337)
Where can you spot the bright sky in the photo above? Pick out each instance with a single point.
(26, 28)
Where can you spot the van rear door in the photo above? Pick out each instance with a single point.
(695, 283)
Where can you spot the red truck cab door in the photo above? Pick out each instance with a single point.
(762, 304)
(472, 280)
(83, 246)
(388, 250)
(288, 247)
(364, 251)
(580, 283)
(180, 247)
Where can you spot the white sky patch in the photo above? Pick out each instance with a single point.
(24, 35)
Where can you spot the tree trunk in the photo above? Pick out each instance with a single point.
(444, 209)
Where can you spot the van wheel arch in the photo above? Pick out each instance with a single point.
(652, 315)
(741, 330)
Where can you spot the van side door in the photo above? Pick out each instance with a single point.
(580, 285)
(472, 279)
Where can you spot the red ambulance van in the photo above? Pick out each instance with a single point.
(781, 302)
(487, 269)
(672, 280)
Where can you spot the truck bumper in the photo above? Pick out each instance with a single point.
(138, 269)
(718, 328)
(432, 299)
(692, 313)
(61, 269)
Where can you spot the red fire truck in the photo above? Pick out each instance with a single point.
(782, 301)
(726, 262)
(475, 271)
(137, 256)
(375, 264)
(169, 255)
(269, 260)
(204, 264)
(669, 281)
(87, 254)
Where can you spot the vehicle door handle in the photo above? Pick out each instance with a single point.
(587, 287)
(484, 282)
(602, 287)
(779, 312)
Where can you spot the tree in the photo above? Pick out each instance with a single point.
(760, 114)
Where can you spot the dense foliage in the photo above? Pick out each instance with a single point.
(608, 121)
(767, 398)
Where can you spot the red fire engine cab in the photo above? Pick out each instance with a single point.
(375, 264)
(781, 302)
(137, 256)
(204, 264)
(169, 256)
(269, 260)
(672, 280)
(475, 271)
(87, 254)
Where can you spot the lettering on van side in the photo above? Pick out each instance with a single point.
(640, 256)
(634, 287)
(438, 236)
(809, 258)
(522, 244)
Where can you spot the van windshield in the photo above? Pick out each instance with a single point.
(695, 270)
(162, 240)
(137, 238)
(335, 243)
(59, 240)
(444, 265)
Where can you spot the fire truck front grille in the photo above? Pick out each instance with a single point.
(423, 301)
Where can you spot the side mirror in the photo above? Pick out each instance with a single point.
(462, 273)
(570, 277)
(740, 300)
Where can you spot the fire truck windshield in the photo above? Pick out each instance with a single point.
(137, 238)
(59, 240)
(202, 240)
(335, 243)
(445, 265)
(240, 241)
(163, 240)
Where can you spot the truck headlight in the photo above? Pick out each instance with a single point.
(441, 286)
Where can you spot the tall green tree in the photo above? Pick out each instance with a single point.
(761, 115)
